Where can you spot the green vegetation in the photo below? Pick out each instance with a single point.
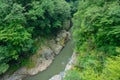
(22, 21)
(74, 5)
(96, 33)
(72, 75)
(111, 71)
(24, 24)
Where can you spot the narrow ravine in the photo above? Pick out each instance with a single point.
(58, 64)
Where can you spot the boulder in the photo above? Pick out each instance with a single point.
(47, 54)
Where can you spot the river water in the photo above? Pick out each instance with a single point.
(58, 64)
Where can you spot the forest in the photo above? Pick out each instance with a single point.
(22, 21)
(95, 30)
(96, 33)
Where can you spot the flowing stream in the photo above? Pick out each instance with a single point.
(58, 64)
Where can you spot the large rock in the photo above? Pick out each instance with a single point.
(56, 48)
(47, 54)
(44, 59)
(58, 77)
(71, 63)
(57, 44)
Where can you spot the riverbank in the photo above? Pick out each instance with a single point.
(44, 57)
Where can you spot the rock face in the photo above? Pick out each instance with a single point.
(56, 77)
(71, 63)
(43, 58)
(57, 44)
(69, 66)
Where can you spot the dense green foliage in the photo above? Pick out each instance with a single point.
(73, 4)
(21, 21)
(47, 16)
(110, 72)
(96, 32)
(72, 75)
(99, 26)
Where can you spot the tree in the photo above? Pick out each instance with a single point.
(96, 33)
(98, 25)
(21, 21)
(15, 40)
(47, 16)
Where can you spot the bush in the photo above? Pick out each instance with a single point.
(72, 75)
(98, 26)
(96, 33)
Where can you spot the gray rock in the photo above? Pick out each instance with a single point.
(56, 77)
(56, 48)
(47, 54)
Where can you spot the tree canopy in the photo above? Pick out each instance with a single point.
(96, 33)
(21, 21)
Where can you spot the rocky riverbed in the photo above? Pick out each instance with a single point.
(43, 58)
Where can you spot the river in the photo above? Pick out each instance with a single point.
(58, 64)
